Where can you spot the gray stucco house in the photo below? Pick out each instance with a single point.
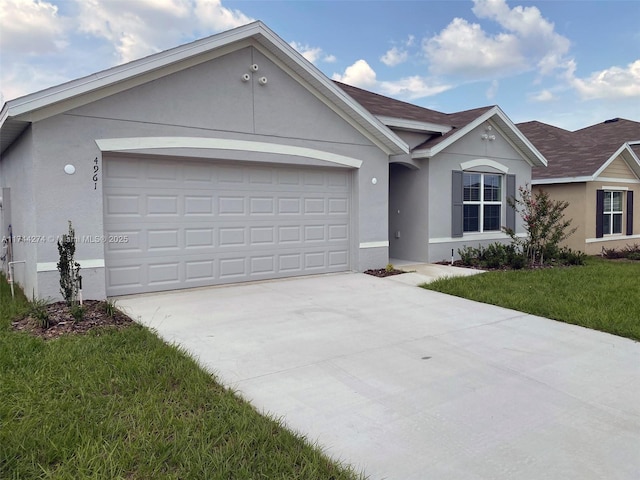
(232, 159)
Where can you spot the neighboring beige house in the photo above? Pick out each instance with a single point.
(597, 170)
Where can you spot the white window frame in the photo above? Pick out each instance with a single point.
(482, 201)
(613, 212)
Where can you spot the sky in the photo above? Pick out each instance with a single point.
(569, 63)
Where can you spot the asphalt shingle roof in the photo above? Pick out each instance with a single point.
(380, 105)
(580, 153)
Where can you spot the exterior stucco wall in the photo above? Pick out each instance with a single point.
(470, 147)
(209, 100)
(576, 195)
(582, 210)
(16, 168)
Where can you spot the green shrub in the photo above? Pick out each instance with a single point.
(566, 256)
(69, 269)
(110, 308)
(38, 311)
(77, 312)
(469, 256)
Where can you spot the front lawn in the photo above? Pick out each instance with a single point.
(119, 403)
(603, 294)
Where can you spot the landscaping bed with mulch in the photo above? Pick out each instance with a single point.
(383, 272)
(58, 316)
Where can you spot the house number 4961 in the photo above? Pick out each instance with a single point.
(96, 169)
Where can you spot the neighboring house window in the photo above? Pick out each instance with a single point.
(612, 221)
(614, 214)
(482, 197)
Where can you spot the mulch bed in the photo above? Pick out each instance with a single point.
(61, 322)
(383, 272)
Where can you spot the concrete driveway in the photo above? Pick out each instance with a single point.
(406, 383)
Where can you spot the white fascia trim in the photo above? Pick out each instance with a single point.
(312, 71)
(116, 74)
(140, 143)
(413, 125)
(423, 153)
(374, 244)
(550, 181)
(610, 160)
(484, 162)
(611, 238)
(53, 266)
(494, 111)
(618, 153)
(457, 135)
(475, 237)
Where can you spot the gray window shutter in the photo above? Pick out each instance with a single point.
(457, 204)
(599, 213)
(630, 212)
(511, 194)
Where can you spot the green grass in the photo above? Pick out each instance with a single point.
(122, 404)
(602, 295)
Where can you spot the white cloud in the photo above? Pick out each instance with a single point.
(31, 27)
(212, 15)
(528, 41)
(543, 96)
(394, 57)
(313, 54)
(360, 74)
(148, 26)
(37, 38)
(610, 83)
(493, 89)
(412, 87)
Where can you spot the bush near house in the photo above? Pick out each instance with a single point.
(546, 228)
(630, 252)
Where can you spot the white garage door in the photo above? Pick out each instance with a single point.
(173, 224)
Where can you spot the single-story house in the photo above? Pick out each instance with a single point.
(596, 170)
(233, 159)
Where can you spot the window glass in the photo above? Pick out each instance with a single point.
(612, 215)
(617, 223)
(482, 196)
(471, 218)
(472, 187)
(606, 225)
(617, 201)
(491, 221)
(492, 188)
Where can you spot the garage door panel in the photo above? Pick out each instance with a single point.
(206, 223)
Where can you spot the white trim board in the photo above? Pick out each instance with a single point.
(380, 244)
(139, 143)
(53, 266)
(611, 238)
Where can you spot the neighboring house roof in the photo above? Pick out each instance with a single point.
(583, 154)
(17, 114)
(445, 128)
